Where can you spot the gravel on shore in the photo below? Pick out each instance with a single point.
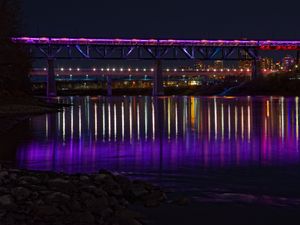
(48, 198)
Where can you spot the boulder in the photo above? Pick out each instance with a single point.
(29, 179)
(6, 200)
(20, 193)
(61, 185)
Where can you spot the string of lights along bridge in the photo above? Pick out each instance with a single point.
(157, 50)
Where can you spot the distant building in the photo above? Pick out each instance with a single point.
(218, 64)
(267, 63)
(288, 62)
(200, 65)
(246, 64)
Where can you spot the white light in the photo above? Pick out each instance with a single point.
(228, 70)
(136, 69)
(94, 69)
(121, 69)
(114, 69)
(182, 70)
(168, 70)
(152, 69)
(78, 69)
(175, 70)
(221, 70)
(129, 69)
(215, 70)
(108, 69)
(70, 69)
(61, 69)
(45, 69)
(197, 70)
(102, 69)
(242, 70)
(248, 70)
(144, 69)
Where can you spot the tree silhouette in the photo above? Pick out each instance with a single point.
(14, 61)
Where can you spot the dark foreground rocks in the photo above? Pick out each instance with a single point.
(43, 198)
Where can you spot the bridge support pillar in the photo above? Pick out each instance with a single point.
(158, 85)
(51, 84)
(256, 72)
(109, 86)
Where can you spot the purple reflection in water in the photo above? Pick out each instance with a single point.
(171, 134)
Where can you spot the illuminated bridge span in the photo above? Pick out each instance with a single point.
(149, 49)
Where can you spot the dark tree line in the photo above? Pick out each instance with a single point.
(14, 61)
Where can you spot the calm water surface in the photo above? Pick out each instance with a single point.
(168, 136)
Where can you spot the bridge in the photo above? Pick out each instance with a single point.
(157, 50)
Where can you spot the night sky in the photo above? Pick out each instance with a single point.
(189, 19)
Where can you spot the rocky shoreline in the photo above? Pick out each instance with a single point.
(48, 198)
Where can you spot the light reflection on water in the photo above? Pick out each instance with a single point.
(145, 134)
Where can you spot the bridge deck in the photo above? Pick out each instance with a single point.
(261, 44)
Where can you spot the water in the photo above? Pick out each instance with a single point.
(174, 140)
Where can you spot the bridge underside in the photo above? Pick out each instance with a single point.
(154, 53)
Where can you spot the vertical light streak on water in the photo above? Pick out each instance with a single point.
(138, 121)
(109, 122)
(184, 119)
(229, 122)
(58, 122)
(130, 120)
(47, 127)
(153, 122)
(222, 120)
(268, 108)
(123, 122)
(282, 117)
(79, 121)
(96, 120)
(216, 118)
(242, 121)
(176, 119)
(297, 120)
(72, 122)
(249, 123)
(169, 118)
(115, 122)
(192, 112)
(235, 121)
(103, 121)
(64, 124)
(87, 111)
(208, 120)
(146, 119)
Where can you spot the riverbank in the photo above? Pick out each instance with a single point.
(16, 109)
(36, 198)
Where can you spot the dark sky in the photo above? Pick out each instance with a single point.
(189, 19)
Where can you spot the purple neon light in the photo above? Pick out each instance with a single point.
(155, 42)
(162, 42)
